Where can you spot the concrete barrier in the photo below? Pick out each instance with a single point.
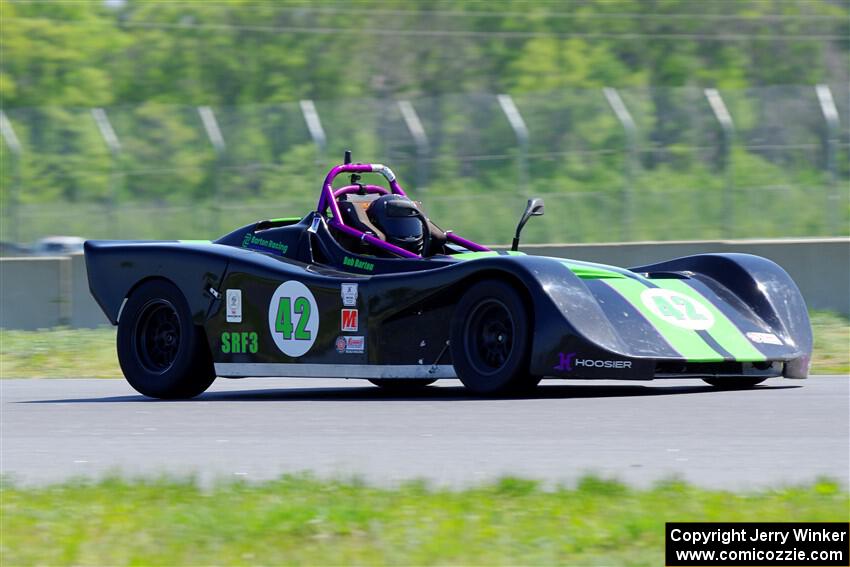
(85, 312)
(46, 292)
(34, 292)
(820, 266)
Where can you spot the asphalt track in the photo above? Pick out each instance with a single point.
(781, 432)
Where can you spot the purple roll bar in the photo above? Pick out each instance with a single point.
(329, 196)
(348, 189)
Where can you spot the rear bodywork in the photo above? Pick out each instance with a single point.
(370, 317)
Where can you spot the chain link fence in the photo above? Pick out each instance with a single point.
(627, 164)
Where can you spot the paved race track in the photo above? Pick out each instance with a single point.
(781, 432)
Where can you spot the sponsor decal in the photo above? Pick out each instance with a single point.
(251, 241)
(678, 309)
(351, 345)
(349, 294)
(239, 342)
(349, 323)
(293, 318)
(765, 338)
(568, 362)
(234, 305)
(358, 263)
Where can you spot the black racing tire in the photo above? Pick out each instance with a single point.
(160, 350)
(733, 383)
(402, 384)
(491, 340)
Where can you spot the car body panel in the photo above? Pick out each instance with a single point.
(715, 314)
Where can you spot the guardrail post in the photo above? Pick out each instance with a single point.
(727, 130)
(627, 122)
(217, 140)
(14, 146)
(314, 126)
(521, 132)
(830, 116)
(114, 144)
(417, 132)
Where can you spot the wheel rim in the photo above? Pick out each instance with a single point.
(157, 336)
(489, 336)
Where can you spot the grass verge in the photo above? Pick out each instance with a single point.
(90, 353)
(832, 343)
(301, 520)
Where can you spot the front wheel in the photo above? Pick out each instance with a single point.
(490, 339)
(161, 352)
(733, 383)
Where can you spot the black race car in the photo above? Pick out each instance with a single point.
(367, 286)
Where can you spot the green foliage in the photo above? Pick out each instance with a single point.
(302, 520)
(150, 65)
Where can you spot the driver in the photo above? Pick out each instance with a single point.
(400, 221)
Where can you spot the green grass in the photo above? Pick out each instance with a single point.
(90, 353)
(832, 343)
(59, 353)
(300, 520)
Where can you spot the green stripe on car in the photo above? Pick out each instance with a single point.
(479, 255)
(724, 331)
(685, 341)
(591, 271)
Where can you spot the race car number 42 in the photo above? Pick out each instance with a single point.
(293, 318)
(678, 309)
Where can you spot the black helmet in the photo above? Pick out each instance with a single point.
(400, 221)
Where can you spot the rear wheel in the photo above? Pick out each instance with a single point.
(733, 383)
(402, 384)
(490, 339)
(161, 352)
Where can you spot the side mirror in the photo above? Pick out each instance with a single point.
(534, 208)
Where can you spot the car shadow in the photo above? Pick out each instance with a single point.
(430, 394)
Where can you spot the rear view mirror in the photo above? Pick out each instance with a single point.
(534, 208)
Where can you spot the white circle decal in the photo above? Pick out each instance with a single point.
(293, 318)
(678, 309)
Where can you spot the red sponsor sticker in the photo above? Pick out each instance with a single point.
(350, 320)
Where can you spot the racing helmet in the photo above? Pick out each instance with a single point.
(400, 221)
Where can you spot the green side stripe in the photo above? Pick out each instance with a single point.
(723, 331)
(591, 272)
(686, 342)
(478, 255)
(286, 219)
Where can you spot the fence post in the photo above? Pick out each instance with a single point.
(217, 140)
(417, 131)
(727, 129)
(521, 133)
(830, 116)
(114, 144)
(14, 146)
(628, 124)
(314, 125)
